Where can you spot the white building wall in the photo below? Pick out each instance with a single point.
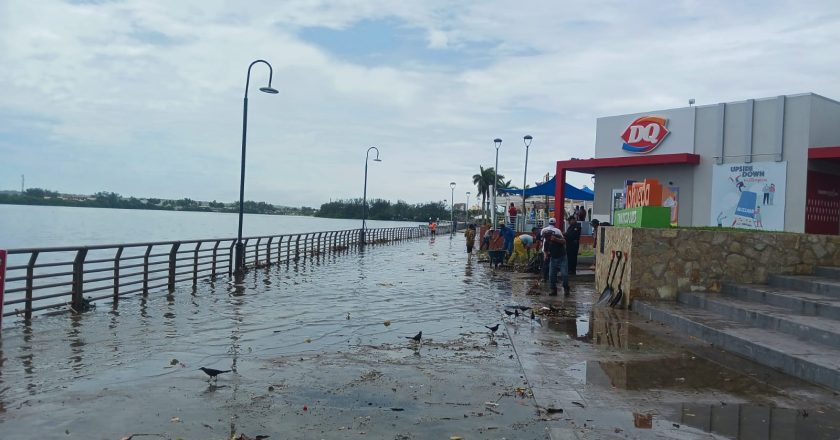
(762, 130)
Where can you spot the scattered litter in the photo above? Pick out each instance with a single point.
(175, 420)
(387, 323)
(397, 409)
(173, 362)
(307, 340)
(578, 404)
(554, 410)
(305, 408)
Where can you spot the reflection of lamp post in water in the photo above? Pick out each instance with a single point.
(364, 194)
(498, 143)
(239, 264)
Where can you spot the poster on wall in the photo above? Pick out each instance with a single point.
(617, 203)
(671, 199)
(749, 195)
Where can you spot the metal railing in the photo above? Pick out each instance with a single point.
(40, 279)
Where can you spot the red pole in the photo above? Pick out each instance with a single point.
(2, 283)
(560, 196)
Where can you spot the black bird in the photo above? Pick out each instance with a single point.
(509, 313)
(532, 315)
(515, 313)
(415, 338)
(213, 372)
(523, 308)
(493, 329)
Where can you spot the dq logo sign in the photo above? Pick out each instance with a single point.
(644, 134)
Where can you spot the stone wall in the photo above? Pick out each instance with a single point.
(662, 262)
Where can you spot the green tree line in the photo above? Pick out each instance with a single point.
(379, 209)
(104, 199)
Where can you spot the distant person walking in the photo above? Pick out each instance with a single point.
(433, 228)
(507, 234)
(469, 234)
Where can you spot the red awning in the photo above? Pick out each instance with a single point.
(824, 152)
(591, 165)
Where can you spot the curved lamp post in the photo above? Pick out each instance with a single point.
(498, 143)
(527, 139)
(467, 209)
(240, 247)
(364, 194)
(452, 209)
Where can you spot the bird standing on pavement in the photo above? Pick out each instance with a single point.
(508, 313)
(415, 338)
(492, 329)
(213, 373)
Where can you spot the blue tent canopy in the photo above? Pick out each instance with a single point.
(548, 188)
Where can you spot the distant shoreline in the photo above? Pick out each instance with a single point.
(148, 208)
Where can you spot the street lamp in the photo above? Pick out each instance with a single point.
(364, 195)
(239, 265)
(527, 139)
(467, 209)
(452, 209)
(498, 143)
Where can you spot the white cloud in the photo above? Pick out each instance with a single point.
(145, 98)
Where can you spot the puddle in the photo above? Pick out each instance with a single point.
(313, 331)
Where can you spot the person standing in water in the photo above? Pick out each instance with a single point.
(469, 234)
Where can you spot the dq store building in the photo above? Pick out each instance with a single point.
(770, 163)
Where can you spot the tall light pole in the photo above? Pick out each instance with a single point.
(527, 139)
(498, 143)
(452, 209)
(467, 209)
(240, 247)
(364, 194)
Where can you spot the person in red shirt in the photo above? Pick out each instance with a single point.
(512, 212)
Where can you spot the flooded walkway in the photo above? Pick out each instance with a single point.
(319, 350)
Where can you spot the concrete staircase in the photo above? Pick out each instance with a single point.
(792, 324)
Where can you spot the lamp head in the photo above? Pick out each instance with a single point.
(452, 185)
(527, 139)
(270, 90)
(498, 142)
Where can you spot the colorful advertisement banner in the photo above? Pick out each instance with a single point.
(749, 195)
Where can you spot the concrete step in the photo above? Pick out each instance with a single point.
(802, 303)
(811, 328)
(815, 363)
(828, 272)
(813, 284)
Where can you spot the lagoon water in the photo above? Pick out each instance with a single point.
(24, 226)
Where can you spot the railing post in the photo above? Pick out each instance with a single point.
(268, 251)
(215, 256)
(279, 249)
(30, 273)
(257, 253)
(173, 263)
(146, 269)
(195, 263)
(297, 247)
(79, 279)
(230, 258)
(117, 258)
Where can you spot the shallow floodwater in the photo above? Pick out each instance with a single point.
(318, 351)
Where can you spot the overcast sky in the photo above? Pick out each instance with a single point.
(144, 98)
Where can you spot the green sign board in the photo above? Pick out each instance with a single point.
(644, 217)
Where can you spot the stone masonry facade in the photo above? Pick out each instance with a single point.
(662, 262)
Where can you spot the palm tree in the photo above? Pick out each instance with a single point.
(483, 181)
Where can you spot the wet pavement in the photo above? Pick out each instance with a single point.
(319, 350)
